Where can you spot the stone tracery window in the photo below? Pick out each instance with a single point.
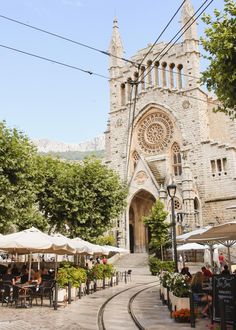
(135, 157)
(155, 132)
(177, 204)
(176, 159)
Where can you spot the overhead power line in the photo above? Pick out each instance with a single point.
(162, 32)
(67, 39)
(82, 70)
(181, 30)
(54, 61)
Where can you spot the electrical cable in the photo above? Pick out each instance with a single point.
(169, 43)
(54, 61)
(66, 39)
(160, 35)
(136, 64)
(89, 72)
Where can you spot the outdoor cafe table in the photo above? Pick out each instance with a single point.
(24, 288)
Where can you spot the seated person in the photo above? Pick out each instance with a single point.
(8, 277)
(36, 278)
(185, 271)
(206, 272)
(15, 270)
(44, 271)
(24, 275)
(199, 295)
(225, 271)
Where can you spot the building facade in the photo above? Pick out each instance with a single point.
(161, 128)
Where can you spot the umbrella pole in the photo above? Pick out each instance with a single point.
(30, 265)
(211, 254)
(229, 259)
(55, 266)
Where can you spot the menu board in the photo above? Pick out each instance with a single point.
(224, 289)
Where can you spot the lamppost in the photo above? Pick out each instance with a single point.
(171, 189)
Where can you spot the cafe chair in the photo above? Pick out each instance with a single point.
(21, 297)
(45, 290)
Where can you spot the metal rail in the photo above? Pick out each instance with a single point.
(101, 322)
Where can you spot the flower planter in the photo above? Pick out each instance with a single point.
(74, 293)
(172, 301)
(62, 295)
(181, 303)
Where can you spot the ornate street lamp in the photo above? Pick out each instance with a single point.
(171, 189)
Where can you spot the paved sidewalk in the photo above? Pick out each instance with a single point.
(82, 314)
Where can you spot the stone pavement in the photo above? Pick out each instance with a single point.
(82, 314)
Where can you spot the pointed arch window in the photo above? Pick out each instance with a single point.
(122, 92)
(176, 160)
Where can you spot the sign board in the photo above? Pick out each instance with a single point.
(224, 289)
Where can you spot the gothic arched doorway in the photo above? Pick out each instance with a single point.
(139, 235)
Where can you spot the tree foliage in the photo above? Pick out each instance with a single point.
(80, 199)
(220, 44)
(17, 181)
(159, 228)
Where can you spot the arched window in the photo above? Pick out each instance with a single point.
(122, 94)
(129, 82)
(163, 67)
(172, 81)
(136, 77)
(135, 157)
(176, 159)
(156, 74)
(149, 73)
(142, 78)
(179, 76)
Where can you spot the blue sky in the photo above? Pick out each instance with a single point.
(45, 100)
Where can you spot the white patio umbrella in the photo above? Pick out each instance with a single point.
(185, 237)
(224, 233)
(32, 241)
(91, 248)
(191, 246)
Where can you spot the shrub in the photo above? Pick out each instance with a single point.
(157, 266)
(68, 273)
(100, 270)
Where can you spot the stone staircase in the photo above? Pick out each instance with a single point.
(138, 262)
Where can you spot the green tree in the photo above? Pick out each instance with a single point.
(17, 181)
(220, 44)
(159, 228)
(80, 199)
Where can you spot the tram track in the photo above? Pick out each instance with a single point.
(101, 319)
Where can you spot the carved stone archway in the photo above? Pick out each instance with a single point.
(138, 233)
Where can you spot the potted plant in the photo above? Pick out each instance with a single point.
(179, 287)
(182, 315)
(67, 273)
(165, 280)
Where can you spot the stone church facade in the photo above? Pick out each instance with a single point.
(169, 134)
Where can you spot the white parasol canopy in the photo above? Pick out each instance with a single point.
(191, 246)
(187, 236)
(90, 248)
(33, 240)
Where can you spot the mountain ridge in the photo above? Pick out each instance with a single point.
(46, 145)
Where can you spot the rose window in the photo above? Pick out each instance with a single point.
(155, 133)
